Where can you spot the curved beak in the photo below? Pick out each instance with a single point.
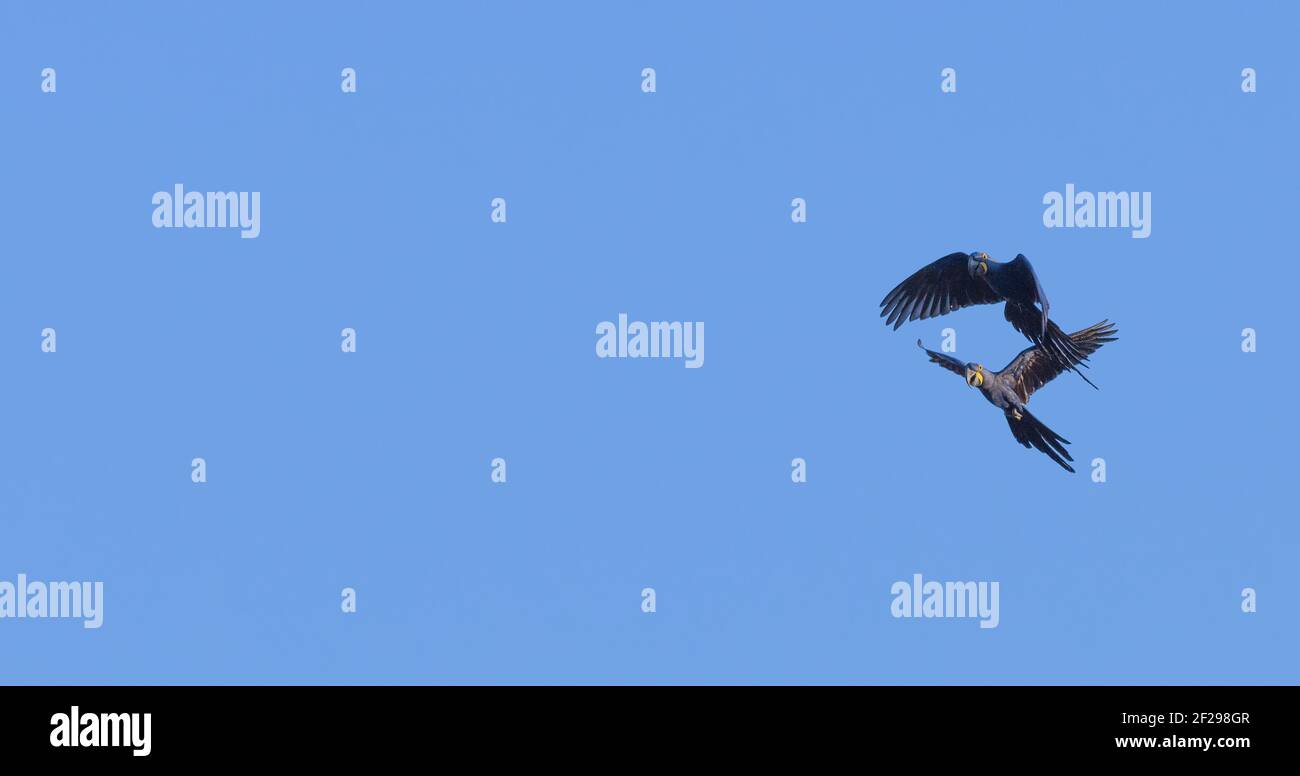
(974, 379)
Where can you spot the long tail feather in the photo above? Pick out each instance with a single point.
(1032, 432)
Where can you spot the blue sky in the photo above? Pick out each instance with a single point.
(476, 340)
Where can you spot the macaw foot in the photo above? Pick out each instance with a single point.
(1015, 413)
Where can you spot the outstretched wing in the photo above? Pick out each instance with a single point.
(937, 288)
(1029, 322)
(1030, 432)
(1037, 366)
(1017, 280)
(945, 361)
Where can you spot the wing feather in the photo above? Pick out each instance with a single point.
(944, 360)
(936, 289)
(1017, 280)
(1039, 365)
(1029, 322)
